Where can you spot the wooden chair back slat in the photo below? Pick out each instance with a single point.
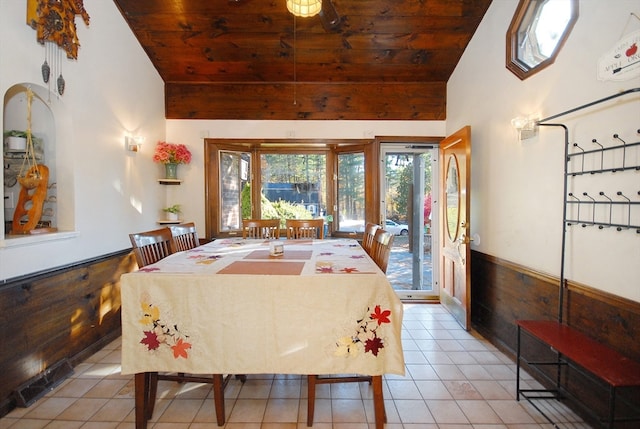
(151, 246)
(185, 236)
(261, 228)
(305, 228)
(382, 242)
(367, 238)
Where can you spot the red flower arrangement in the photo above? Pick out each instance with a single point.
(171, 153)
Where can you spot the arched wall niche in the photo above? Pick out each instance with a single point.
(50, 123)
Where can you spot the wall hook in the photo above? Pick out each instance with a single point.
(624, 150)
(616, 136)
(602, 194)
(593, 210)
(601, 153)
(582, 150)
(620, 194)
(638, 229)
(578, 212)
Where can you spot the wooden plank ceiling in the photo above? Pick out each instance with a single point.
(358, 59)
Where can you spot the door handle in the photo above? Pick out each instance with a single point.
(464, 239)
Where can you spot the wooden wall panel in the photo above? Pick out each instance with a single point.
(325, 101)
(65, 313)
(359, 60)
(503, 292)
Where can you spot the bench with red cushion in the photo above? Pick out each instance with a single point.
(577, 349)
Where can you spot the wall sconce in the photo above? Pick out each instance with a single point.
(133, 143)
(527, 127)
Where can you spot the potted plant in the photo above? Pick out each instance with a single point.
(172, 211)
(16, 140)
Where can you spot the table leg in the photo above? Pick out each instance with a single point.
(612, 406)
(218, 398)
(311, 398)
(518, 366)
(141, 399)
(151, 388)
(378, 401)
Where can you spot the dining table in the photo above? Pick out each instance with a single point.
(234, 306)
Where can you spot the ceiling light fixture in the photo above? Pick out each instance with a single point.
(304, 8)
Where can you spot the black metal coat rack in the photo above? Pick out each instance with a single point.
(585, 214)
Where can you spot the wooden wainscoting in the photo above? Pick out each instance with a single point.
(503, 292)
(69, 312)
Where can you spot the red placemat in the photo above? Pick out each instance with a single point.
(288, 254)
(266, 268)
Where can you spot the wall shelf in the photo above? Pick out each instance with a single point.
(169, 222)
(169, 181)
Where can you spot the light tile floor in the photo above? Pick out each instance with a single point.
(454, 380)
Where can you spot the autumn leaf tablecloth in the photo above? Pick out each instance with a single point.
(228, 307)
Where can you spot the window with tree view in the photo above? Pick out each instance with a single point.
(276, 180)
(293, 186)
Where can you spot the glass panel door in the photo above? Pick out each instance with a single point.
(407, 209)
(235, 197)
(351, 202)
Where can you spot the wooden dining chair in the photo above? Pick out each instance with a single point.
(375, 381)
(261, 228)
(305, 228)
(185, 236)
(151, 246)
(381, 249)
(367, 238)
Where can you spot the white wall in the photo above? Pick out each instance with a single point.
(516, 193)
(190, 195)
(111, 89)
(516, 189)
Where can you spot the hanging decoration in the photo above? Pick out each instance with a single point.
(34, 181)
(622, 61)
(54, 22)
(53, 55)
(46, 71)
(29, 176)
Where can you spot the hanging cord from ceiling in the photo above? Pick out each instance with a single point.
(295, 76)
